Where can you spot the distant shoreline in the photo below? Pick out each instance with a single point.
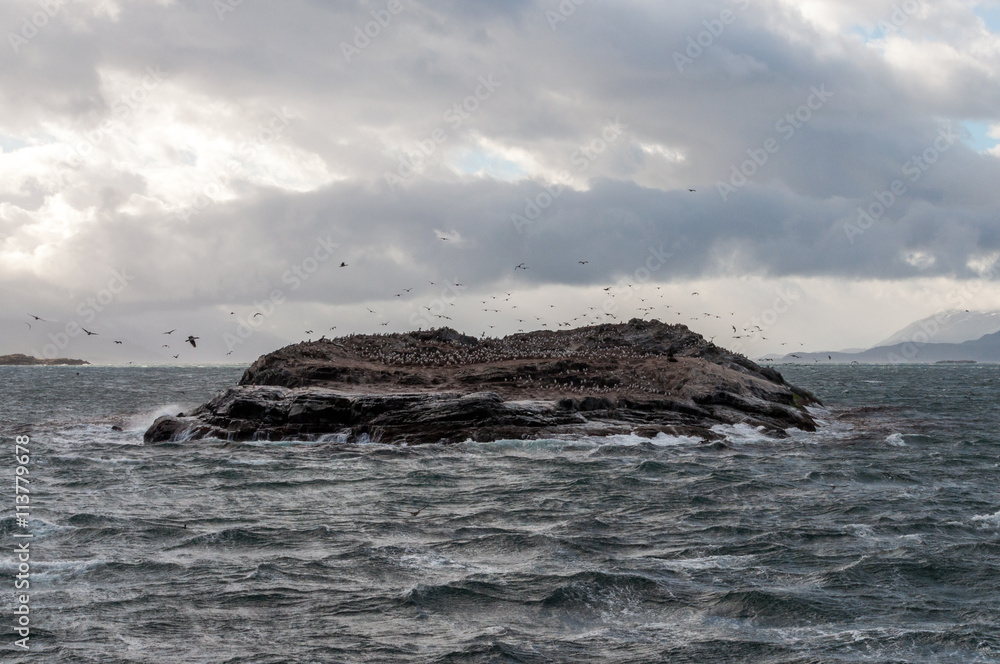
(19, 360)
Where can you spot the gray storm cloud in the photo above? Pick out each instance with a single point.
(387, 138)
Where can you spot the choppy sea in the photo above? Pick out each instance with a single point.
(875, 539)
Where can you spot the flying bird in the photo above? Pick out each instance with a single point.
(89, 333)
(119, 342)
(37, 318)
(191, 340)
(343, 265)
(522, 266)
(171, 331)
(583, 262)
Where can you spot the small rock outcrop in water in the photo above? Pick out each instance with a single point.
(643, 377)
(28, 361)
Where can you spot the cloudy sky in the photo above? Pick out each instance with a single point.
(187, 164)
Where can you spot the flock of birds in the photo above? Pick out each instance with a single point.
(191, 339)
(505, 309)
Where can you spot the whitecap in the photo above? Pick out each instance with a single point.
(895, 440)
(144, 420)
(743, 433)
(988, 519)
(661, 440)
(710, 562)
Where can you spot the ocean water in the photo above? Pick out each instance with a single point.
(875, 539)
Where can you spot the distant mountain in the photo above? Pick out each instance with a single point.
(947, 336)
(947, 327)
(985, 349)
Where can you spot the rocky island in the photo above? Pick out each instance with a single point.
(19, 360)
(641, 377)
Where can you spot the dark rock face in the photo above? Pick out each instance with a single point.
(643, 377)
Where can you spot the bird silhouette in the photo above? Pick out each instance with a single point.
(89, 333)
(171, 331)
(191, 340)
(343, 265)
(37, 318)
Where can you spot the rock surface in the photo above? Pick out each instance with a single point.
(643, 377)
